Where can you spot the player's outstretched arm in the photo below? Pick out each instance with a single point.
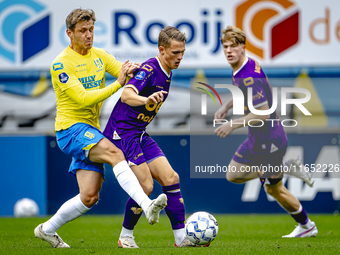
(130, 97)
(87, 98)
(226, 129)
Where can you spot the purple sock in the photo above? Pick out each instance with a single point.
(132, 214)
(175, 208)
(301, 217)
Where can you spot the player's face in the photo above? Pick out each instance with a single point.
(234, 53)
(82, 36)
(172, 55)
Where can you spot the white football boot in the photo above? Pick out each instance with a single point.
(303, 231)
(158, 204)
(185, 243)
(127, 242)
(297, 169)
(54, 240)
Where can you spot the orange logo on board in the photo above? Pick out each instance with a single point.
(271, 26)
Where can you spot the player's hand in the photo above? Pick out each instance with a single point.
(224, 130)
(156, 97)
(132, 68)
(123, 72)
(221, 113)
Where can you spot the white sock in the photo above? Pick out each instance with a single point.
(179, 235)
(126, 232)
(298, 211)
(129, 182)
(70, 210)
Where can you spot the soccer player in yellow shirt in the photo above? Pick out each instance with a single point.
(78, 78)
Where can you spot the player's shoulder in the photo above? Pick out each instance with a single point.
(150, 65)
(254, 69)
(146, 69)
(101, 53)
(62, 60)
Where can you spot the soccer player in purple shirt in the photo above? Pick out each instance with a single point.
(267, 142)
(140, 102)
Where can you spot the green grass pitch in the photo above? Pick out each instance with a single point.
(238, 234)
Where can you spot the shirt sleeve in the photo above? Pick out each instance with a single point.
(112, 65)
(141, 79)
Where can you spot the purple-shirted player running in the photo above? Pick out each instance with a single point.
(267, 143)
(137, 107)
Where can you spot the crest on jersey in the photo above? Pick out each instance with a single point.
(115, 136)
(140, 75)
(273, 148)
(98, 62)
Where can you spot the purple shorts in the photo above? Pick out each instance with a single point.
(272, 161)
(138, 148)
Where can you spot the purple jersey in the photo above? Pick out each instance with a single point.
(151, 77)
(271, 135)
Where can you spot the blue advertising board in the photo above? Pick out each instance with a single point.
(42, 175)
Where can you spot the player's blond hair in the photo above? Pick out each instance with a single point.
(170, 33)
(233, 34)
(78, 15)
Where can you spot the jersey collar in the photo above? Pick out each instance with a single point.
(244, 63)
(165, 72)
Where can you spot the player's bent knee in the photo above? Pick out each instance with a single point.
(232, 178)
(148, 188)
(174, 178)
(106, 152)
(115, 155)
(89, 199)
(118, 156)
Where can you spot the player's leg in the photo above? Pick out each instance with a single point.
(132, 210)
(106, 152)
(132, 146)
(306, 227)
(275, 188)
(240, 173)
(162, 172)
(242, 167)
(89, 183)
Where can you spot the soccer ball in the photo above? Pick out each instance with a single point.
(25, 207)
(201, 228)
